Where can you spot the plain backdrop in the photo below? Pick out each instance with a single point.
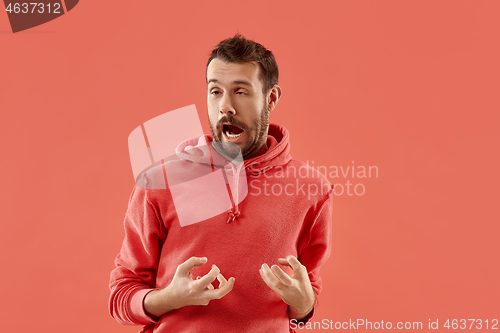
(411, 87)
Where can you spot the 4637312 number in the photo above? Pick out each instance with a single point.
(471, 324)
(33, 8)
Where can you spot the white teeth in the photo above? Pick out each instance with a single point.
(233, 136)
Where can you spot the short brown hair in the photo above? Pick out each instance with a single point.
(240, 49)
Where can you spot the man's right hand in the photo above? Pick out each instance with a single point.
(185, 291)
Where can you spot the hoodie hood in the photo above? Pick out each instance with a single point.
(199, 150)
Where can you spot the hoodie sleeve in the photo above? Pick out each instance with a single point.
(137, 262)
(314, 253)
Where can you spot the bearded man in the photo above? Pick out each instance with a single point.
(272, 240)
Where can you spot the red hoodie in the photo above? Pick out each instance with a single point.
(284, 209)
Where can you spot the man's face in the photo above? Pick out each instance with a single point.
(237, 108)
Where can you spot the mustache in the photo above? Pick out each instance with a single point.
(229, 119)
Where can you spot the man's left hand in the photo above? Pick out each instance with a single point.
(296, 291)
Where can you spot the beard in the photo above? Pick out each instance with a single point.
(256, 136)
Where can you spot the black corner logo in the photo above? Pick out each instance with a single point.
(26, 15)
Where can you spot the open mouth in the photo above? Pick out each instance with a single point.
(232, 131)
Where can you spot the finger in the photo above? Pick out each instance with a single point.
(210, 277)
(210, 286)
(270, 279)
(285, 278)
(187, 265)
(286, 266)
(298, 268)
(222, 291)
(222, 280)
(284, 262)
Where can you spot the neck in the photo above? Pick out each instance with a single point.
(257, 152)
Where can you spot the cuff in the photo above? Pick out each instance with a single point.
(311, 314)
(136, 308)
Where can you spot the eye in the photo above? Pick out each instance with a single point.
(215, 92)
(241, 92)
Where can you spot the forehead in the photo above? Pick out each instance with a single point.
(229, 72)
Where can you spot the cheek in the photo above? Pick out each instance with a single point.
(212, 110)
(249, 103)
(212, 101)
(251, 111)
(212, 119)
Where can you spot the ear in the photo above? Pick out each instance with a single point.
(273, 96)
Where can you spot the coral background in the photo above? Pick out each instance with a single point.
(409, 87)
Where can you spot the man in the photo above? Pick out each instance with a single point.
(284, 220)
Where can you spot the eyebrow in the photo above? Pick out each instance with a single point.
(246, 83)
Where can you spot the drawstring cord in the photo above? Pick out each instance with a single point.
(234, 212)
(232, 216)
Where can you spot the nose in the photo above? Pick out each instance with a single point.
(226, 106)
